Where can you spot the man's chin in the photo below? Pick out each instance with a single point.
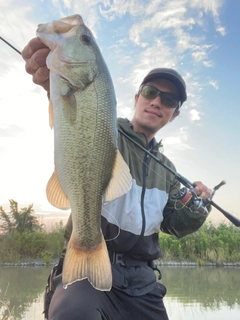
(150, 128)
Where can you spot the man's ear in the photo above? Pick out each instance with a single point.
(175, 115)
(136, 99)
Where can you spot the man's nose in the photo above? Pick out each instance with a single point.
(156, 101)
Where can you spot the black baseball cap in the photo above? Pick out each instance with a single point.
(171, 75)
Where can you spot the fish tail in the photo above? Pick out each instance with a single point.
(95, 265)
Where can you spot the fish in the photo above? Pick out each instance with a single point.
(89, 170)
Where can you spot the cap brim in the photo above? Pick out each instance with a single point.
(171, 77)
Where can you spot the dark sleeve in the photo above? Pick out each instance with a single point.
(180, 221)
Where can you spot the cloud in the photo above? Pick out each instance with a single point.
(172, 140)
(123, 56)
(200, 54)
(211, 7)
(221, 30)
(8, 131)
(159, 54)
(207, 64)
(214, 84)
(195, 115)
(89, 10)
(117, 8)
(125, 111)
(178, 141)
(16, 34)
(67, 3)
(161, 20)
(164, 33)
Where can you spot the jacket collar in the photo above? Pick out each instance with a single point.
(139, 137)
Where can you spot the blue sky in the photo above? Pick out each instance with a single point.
(199, 38)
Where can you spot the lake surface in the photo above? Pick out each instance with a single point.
(193, 293)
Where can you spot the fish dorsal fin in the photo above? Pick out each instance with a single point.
(55, 194)
(121, 180)
(50, 111)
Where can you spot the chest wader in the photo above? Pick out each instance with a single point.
(49, 291)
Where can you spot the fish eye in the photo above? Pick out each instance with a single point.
(86, 38)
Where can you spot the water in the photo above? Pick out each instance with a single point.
(201, 293)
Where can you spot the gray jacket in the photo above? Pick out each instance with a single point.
(131, 224)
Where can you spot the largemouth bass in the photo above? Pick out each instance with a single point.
(89, 169)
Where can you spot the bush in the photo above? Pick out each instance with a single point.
(209, 244)
(16, 246)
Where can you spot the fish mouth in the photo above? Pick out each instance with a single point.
(72, 62)
(67, 60)
(63, 78)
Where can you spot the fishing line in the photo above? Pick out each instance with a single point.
(117, 225)
(132, 148)
(142, 160)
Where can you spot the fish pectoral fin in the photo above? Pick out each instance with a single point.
(70, 107)
(55, 194)
(50, 111)
(121, 180)
(94, 265)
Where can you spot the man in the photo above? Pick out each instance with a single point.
(131, 223)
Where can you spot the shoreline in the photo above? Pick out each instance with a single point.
(159, 263)
(195, 264)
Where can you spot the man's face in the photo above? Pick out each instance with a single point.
(151, 115)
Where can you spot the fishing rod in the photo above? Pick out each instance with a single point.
(186, 194)
(183, 193)
(1, 38)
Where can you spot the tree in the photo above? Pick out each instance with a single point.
(20, 221)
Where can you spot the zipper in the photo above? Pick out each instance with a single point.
(145, 174)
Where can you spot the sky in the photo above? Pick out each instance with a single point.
(198, 38)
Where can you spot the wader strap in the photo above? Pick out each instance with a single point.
(122, 259)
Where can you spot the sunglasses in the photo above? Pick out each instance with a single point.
(167, 98)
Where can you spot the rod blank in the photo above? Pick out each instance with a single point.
(1, 38)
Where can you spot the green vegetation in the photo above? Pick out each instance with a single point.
(23, 238)
(217, 244)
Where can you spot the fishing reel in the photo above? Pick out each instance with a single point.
(188, 198)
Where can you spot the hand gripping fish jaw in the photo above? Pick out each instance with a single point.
(187, 195)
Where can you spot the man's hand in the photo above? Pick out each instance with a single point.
(201, 190)
(35, 54)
